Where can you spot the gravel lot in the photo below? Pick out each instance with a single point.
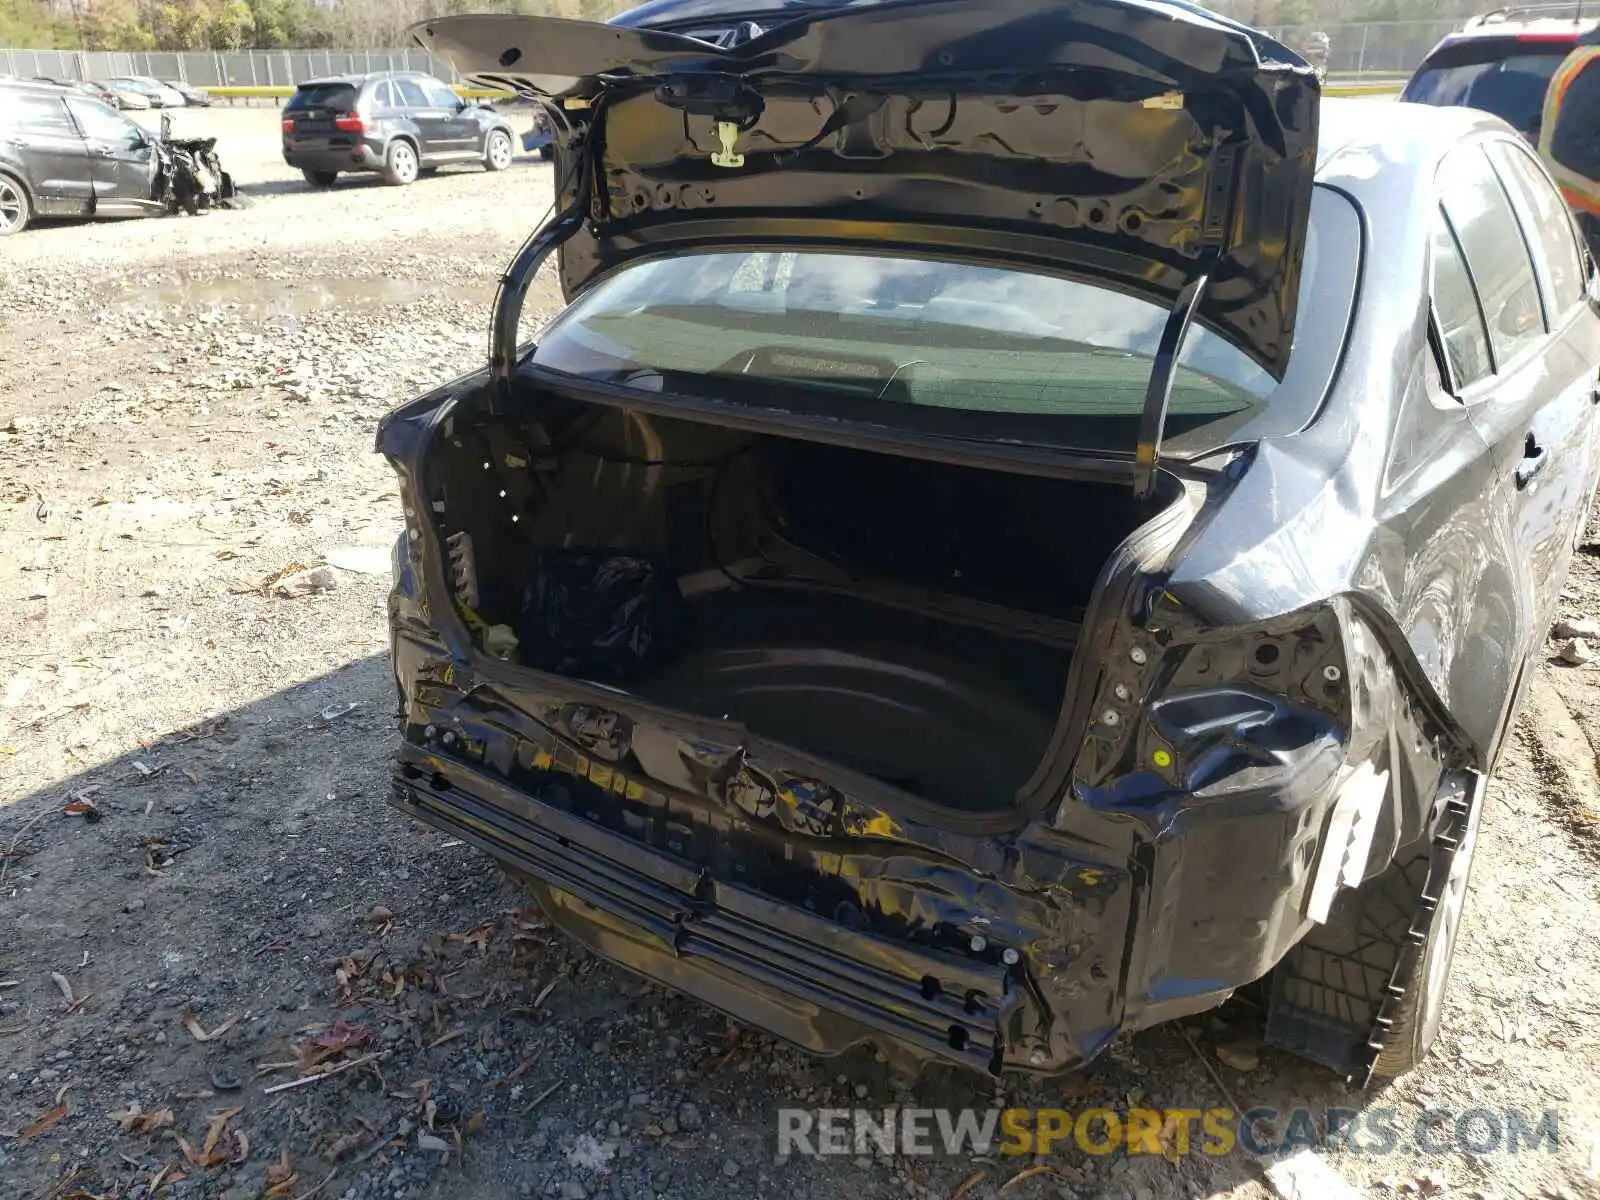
(199, 875)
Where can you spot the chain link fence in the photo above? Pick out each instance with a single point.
(205, 68)
(1369, 48)
(1364, 50)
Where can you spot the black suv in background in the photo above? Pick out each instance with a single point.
(396, 123)
(65, 154)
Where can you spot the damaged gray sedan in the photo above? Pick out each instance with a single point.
(1018, 533)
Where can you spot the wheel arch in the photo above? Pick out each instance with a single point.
(16, 176)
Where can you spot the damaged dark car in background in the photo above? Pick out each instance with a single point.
(984, 562)
(66, 154)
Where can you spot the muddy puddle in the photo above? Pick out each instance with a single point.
(296, 297)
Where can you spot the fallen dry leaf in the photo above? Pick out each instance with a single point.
(63, 986)
(85, 808)
(261, 585)
(199, 1157)
(44, 1122)
(428, 1141)
(1023, 1176)
(474, 1124)
(134, 1121)
(200, 1035)
(1167, 1139)
(478, 937)
(967, 1184)
(343, 1035)
(1240, 1058)
(345, 1143)
(216, 1124)
(281, 1177)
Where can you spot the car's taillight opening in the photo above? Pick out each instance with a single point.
(351, 123)
(1187, 709)
(288, 124)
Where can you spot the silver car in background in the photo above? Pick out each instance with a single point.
(157, 93)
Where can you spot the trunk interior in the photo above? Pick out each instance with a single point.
(909, 620)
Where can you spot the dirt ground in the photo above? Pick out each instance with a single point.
(202, 890)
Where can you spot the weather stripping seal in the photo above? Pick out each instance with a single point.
(543, 242)
(1158, 391)
(513, 290)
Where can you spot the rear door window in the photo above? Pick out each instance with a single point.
(1548, 223)
(1456, 311)
(40, 115)
(411, 94)
(439, 96)
(1486, 227)
(340, 97)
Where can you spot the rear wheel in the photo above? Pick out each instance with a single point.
(1364, 993)
(497, 150)
(15, 211)
(320, 179)
(400, 164)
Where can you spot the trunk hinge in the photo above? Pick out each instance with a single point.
(513, 289)
(1158, 392)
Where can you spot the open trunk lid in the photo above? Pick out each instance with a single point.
(1147, 145)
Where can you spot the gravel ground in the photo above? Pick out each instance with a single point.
(199, 878)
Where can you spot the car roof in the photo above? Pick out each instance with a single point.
(1559, 18)
(32, 85)
(1526, 26)
(1354, 135)
(358, 80)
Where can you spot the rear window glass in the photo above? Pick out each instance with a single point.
(1507, 79)
(924, 334)
(340, 97)
(949, 349)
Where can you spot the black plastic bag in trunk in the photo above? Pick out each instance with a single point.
(599, 614)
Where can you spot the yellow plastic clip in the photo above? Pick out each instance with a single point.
(728, 156)
(474, 622)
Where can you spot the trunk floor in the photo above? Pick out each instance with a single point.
(955, 715)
